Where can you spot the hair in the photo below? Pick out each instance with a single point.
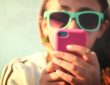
(105, 8)
(103, 3)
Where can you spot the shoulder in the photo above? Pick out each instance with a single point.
(25, 70)
(39, 58)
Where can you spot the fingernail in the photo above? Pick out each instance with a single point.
(55, 60)
(69, 46)
(55, 53)
(85, 57)
(58, 71)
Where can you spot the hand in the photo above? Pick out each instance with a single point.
(80, 70)
(83, 69)
(49, 75)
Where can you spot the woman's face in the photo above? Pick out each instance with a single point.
(72, 6)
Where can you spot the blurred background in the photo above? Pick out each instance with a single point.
(18, 29)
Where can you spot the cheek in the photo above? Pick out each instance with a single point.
(52, 38)
(91, 38)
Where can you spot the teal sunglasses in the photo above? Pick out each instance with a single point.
(87, 20)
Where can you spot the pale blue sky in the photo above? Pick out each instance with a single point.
(18, 29)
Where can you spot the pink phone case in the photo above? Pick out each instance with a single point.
(66, 37)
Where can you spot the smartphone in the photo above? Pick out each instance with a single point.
(66, 37)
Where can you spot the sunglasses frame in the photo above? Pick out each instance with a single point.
(75, 15)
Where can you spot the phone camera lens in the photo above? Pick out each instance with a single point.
(62, 34)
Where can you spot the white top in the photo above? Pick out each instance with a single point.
(24, 71)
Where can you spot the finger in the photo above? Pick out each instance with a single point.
(75, 65)
(50, 67)
(91, 58)
(57, 83)
(66, 77)
(52, 76)
(51, 79)
(65, 56)
(77, 69)
(79, 49)
(69, 58)
(96, 62)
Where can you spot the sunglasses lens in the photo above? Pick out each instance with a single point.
(89, 21)
(59, 20)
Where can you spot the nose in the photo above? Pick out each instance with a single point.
(73, 25)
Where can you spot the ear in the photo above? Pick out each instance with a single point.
(103, 28)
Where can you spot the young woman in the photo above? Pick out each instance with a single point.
(62, 68)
